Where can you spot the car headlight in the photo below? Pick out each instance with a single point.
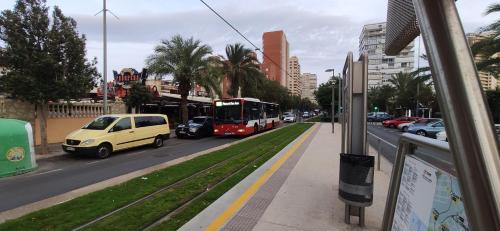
(193, 129)
(87, 142)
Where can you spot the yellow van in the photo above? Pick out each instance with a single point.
(110, 133)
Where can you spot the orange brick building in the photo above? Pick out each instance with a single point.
(275, 47)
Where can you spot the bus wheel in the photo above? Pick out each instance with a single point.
(272, 125)
(255, 129)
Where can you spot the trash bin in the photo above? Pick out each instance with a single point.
(356, 179)
(17, 151)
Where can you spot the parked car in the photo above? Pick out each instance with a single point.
(305, 114)
(290, 118)
(286, 114)
(442, 136)
(110, 133)
(197, 127)
(404, 126)
(395, 122)
(378, 116)
(428, 130)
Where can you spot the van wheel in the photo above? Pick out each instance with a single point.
(103, 151)
(158, 142)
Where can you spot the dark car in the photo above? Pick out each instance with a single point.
(378, 116)
(197, 127)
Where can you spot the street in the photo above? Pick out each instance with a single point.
(62, 174)
(386, 140)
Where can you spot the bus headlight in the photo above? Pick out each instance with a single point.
(241, 130)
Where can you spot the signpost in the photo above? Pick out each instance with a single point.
(425, 194)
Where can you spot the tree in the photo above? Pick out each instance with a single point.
(488, 46)
(45, 62)
(382, 97)
(406, 86)
(240, 67)
(187, 60)
(493, 98)
(137, 96)
(324, 94)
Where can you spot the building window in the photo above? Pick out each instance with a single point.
(404, 64)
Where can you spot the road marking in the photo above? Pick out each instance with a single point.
(94, 162)
(51, 171)
(385, 141)
(238, 203)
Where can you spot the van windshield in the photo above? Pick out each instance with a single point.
(100, 123)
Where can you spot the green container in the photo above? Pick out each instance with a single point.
(17, 150)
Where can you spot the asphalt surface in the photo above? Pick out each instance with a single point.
(386, 140)
(62, 174)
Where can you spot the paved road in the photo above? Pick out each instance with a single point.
(386, 141)
(68, 172)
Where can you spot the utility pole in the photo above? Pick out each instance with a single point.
(105, 57)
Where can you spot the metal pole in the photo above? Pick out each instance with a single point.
(469, 127)
(333, 107)
(340, 97)
(105, 58)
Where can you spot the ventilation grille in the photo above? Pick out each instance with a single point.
(402, 27)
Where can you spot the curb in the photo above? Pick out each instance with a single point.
(61, 198)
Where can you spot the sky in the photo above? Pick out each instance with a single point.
(319, 32)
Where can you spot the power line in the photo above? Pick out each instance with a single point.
(244, 37)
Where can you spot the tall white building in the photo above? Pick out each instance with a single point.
(309, 85)
(488, 81)
(293, 80)
(380, 66)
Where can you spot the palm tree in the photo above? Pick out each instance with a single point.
(488, 46)
(188, 61)
(241, 68)
(405, 85)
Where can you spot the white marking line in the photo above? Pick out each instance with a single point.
(51, 171)
(385, 141)
(93, 162)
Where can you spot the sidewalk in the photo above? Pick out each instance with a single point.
(54, 150)
(301, 194)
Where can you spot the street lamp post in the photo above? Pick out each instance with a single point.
(333, 99)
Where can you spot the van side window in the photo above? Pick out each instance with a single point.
(158, 120)
(142, 121)
(123, 124)
(146, 121)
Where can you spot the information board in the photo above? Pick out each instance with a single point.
(429, 199)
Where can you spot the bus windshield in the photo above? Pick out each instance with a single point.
(230, 114)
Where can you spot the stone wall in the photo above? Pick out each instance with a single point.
(16, 109)
(62, 118)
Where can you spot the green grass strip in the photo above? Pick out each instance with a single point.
(162, 204)
(181, 218)
(83, 209)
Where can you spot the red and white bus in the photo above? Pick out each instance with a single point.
(244, 116)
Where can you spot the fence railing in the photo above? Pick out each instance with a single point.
(75, 110)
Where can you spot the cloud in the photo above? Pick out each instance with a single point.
(320, 33)
(319, 40)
